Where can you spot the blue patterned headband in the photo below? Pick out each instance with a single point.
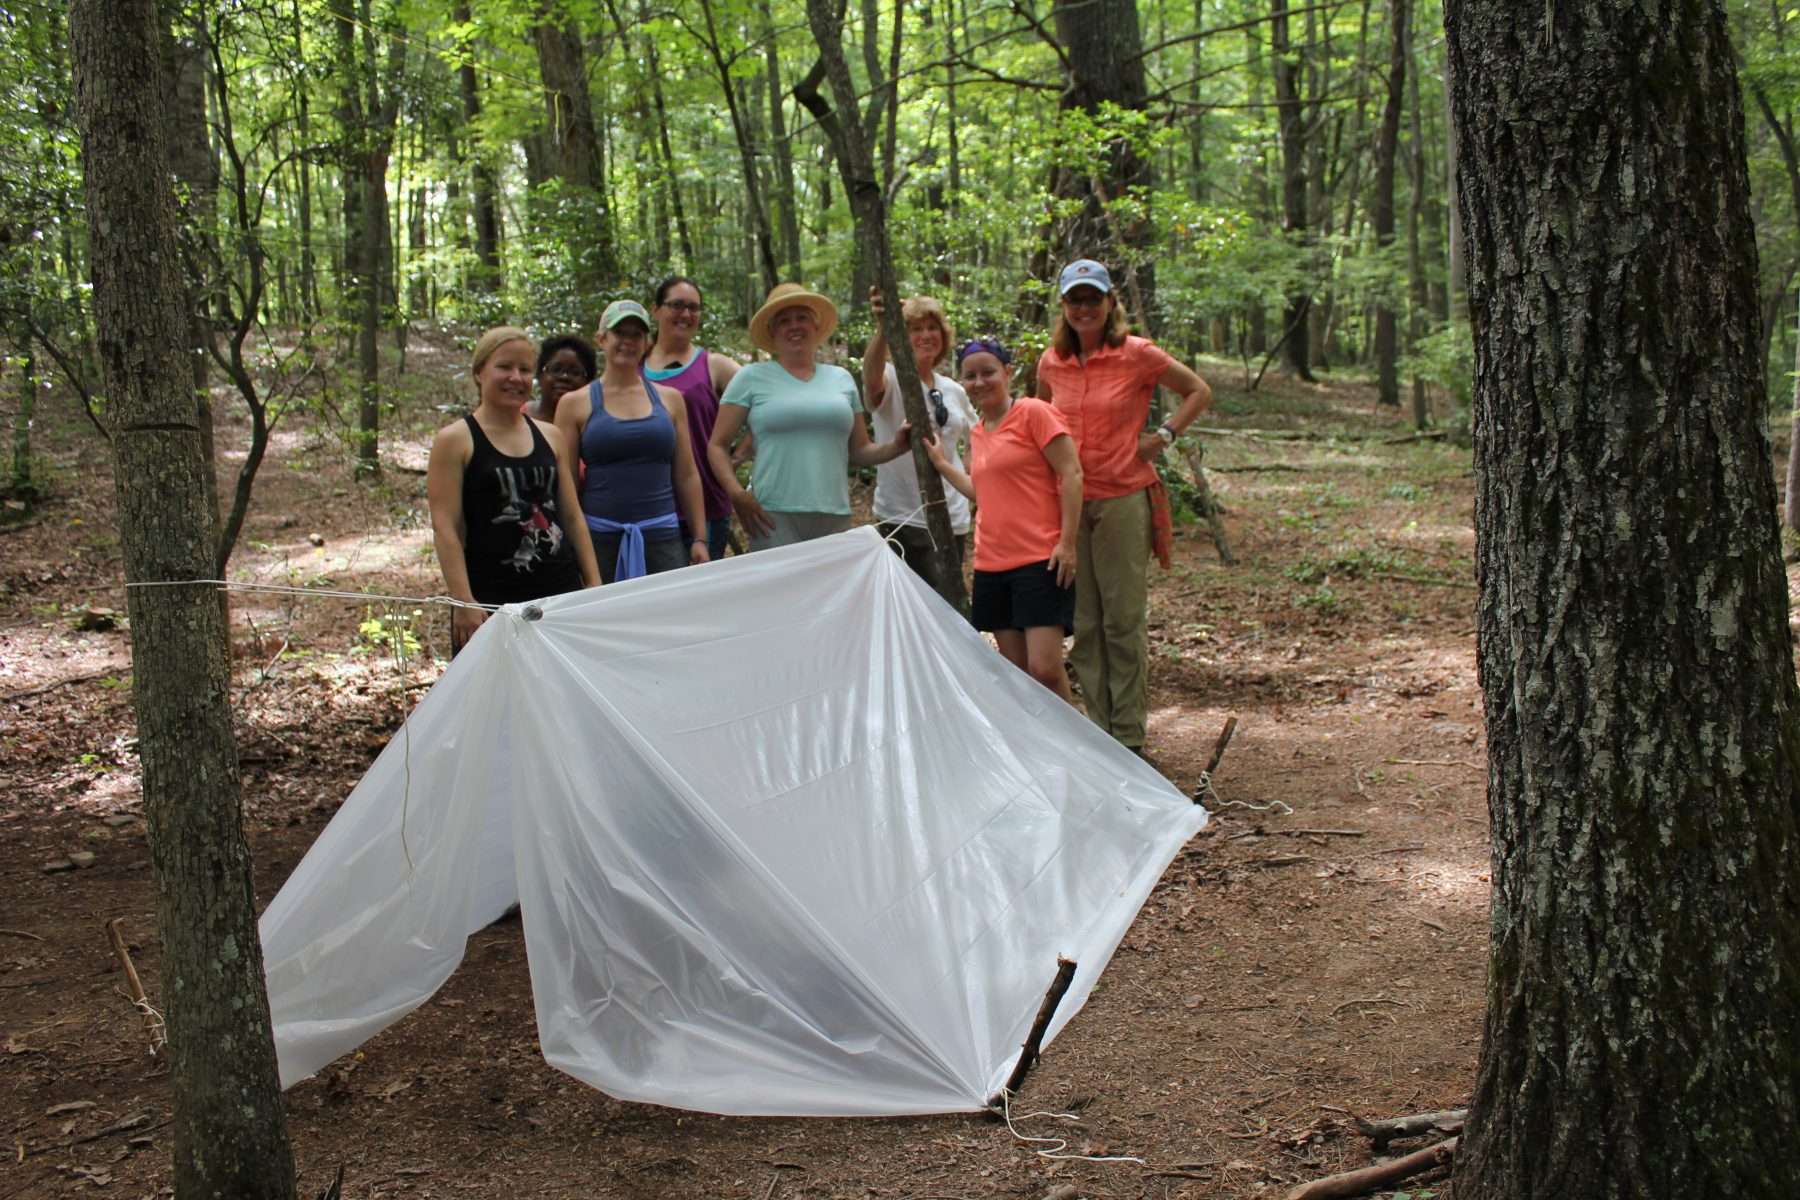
(985, 345)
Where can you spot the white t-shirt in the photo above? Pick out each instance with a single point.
(897, 499)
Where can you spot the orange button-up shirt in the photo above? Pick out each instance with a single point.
(1106, 402)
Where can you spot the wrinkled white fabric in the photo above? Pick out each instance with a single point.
(789, 838)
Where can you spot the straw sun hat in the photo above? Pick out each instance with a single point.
(791, 295)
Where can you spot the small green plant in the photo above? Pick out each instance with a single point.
(1407, 491)
(1323, 601)
(1355, 563)
(389, 633)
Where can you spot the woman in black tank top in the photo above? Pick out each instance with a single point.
(504, 514)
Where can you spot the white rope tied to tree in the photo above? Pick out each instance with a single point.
(332, 593)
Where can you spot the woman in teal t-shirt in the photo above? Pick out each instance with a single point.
(807, 421)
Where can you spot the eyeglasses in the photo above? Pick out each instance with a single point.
(688, 306)
(1080, 298)
(566, 371)
(940, 411)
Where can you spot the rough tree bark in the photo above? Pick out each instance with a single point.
(1104, 63)
(578, 152)
(868, 205)
(1643, 1024)
(230, 1129)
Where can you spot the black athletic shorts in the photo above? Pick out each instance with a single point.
(1023, 598)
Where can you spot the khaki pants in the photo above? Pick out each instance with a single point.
(1112, 597)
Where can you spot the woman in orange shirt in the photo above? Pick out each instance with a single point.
(1025, 479)
(1102, 380)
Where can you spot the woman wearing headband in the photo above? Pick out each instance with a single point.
(807, 421)
(1102, 379)
(1025, 479)
(899, 508)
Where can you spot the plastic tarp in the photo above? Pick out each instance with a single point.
(788, 837)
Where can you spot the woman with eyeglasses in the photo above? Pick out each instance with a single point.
(701, 376)
(1102, 380)
(564, 363)
(640, 481)
(806, 417)
(899, 508)
(1025, 479)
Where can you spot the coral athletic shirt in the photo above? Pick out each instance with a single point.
(1018, 498)
(1106, 402)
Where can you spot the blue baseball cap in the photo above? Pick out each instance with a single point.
(1083, 272)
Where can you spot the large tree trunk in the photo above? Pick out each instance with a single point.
(1104, 49)
(1643, 1026)
(230, 1130)
(577, 152)
(1381, 211)
(868, 206)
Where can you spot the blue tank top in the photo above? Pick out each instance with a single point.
(630, 465)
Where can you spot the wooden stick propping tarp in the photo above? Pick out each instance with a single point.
(1034, 1041)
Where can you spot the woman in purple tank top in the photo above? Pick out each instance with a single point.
(700, 376)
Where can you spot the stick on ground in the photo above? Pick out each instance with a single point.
(1381, 1175)
(1380, 1133)
(153, 1023)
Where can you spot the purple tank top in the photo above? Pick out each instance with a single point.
(694, 382)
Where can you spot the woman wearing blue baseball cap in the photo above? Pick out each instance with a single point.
(1102, 379)
(632, 437)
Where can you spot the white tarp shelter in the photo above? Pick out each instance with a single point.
(788, 836)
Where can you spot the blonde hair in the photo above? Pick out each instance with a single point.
(492, 340)
(924, 308)
(1068, 342)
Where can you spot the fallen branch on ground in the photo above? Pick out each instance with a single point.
(1430, 435)
(20, 933)
(1380, 1133)
(153, 1022)
(1369, 1179)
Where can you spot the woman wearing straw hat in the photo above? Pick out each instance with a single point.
(1101, 379)
(806, 417)
(641, 478)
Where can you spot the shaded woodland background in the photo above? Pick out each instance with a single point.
(1271, 180)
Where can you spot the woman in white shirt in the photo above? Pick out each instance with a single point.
(899, 508)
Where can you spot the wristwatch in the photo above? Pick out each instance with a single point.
(1167, 433)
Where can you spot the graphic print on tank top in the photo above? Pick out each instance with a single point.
(528, 500)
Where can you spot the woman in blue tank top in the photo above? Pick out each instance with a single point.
(632, 437)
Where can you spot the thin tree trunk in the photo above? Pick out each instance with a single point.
(868, 206)
(1643, 1025)
(668, 154)
(1296, 345)
(488, 277)
(1791, 509)
(740, 128)
(1381, 212)
(783, 151)
(23, 486)
(1415, 259)
(230, 1132)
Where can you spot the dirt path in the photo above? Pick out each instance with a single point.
(1318, 952)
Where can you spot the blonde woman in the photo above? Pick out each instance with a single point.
(504, 514)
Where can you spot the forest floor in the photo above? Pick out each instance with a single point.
(1318, 952)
